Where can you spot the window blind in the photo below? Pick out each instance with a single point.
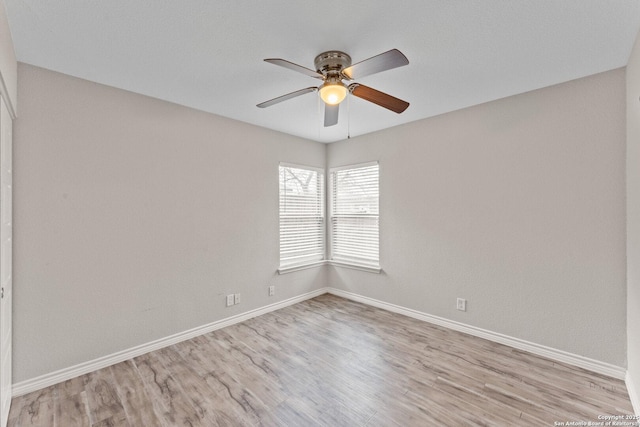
(302, 226)
(354, 215)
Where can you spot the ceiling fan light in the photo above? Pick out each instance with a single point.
(333, 93)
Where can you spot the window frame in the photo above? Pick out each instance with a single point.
(373, 267)
(314, 259)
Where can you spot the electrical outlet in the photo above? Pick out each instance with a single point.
(230, 300)
(237, 298)
(272, 290)
(461, 304)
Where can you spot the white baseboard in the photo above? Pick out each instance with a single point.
(540, 350)
(634, 393)
(56, 377)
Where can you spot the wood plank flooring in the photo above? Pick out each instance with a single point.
(328, 362)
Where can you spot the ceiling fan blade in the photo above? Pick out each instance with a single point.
(295, 67)
(331, 114)
(273, 101)
(380, 98)
(385, 61)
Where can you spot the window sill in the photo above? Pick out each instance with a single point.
(367, 268)
(292, 268)
(361, 267)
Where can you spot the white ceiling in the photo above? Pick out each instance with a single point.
(208, 54)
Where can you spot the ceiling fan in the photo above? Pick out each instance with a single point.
(333, 67)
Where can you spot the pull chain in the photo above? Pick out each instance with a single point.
(349, 116)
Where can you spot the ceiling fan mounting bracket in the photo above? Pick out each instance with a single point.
(332, 62)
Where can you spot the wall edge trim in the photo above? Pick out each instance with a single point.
(4, 94)
(537, 349)
(47, 380)
(634, 393)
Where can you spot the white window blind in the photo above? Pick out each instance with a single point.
(354, 215)
(302, 226)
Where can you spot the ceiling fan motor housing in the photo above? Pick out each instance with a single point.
(331, 63)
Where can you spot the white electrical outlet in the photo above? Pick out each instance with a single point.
(272, 290)
(461, 304)
(230, 300)
(237, 298)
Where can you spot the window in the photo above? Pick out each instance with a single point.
(302, 226)
(354, 215)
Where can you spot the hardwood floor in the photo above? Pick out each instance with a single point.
(328, 362)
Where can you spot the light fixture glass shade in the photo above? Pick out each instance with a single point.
(333, 93)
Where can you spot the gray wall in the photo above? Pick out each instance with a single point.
(134, 217)
(132, 222)
(517, 205)
(633, 221)
(8, 64)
